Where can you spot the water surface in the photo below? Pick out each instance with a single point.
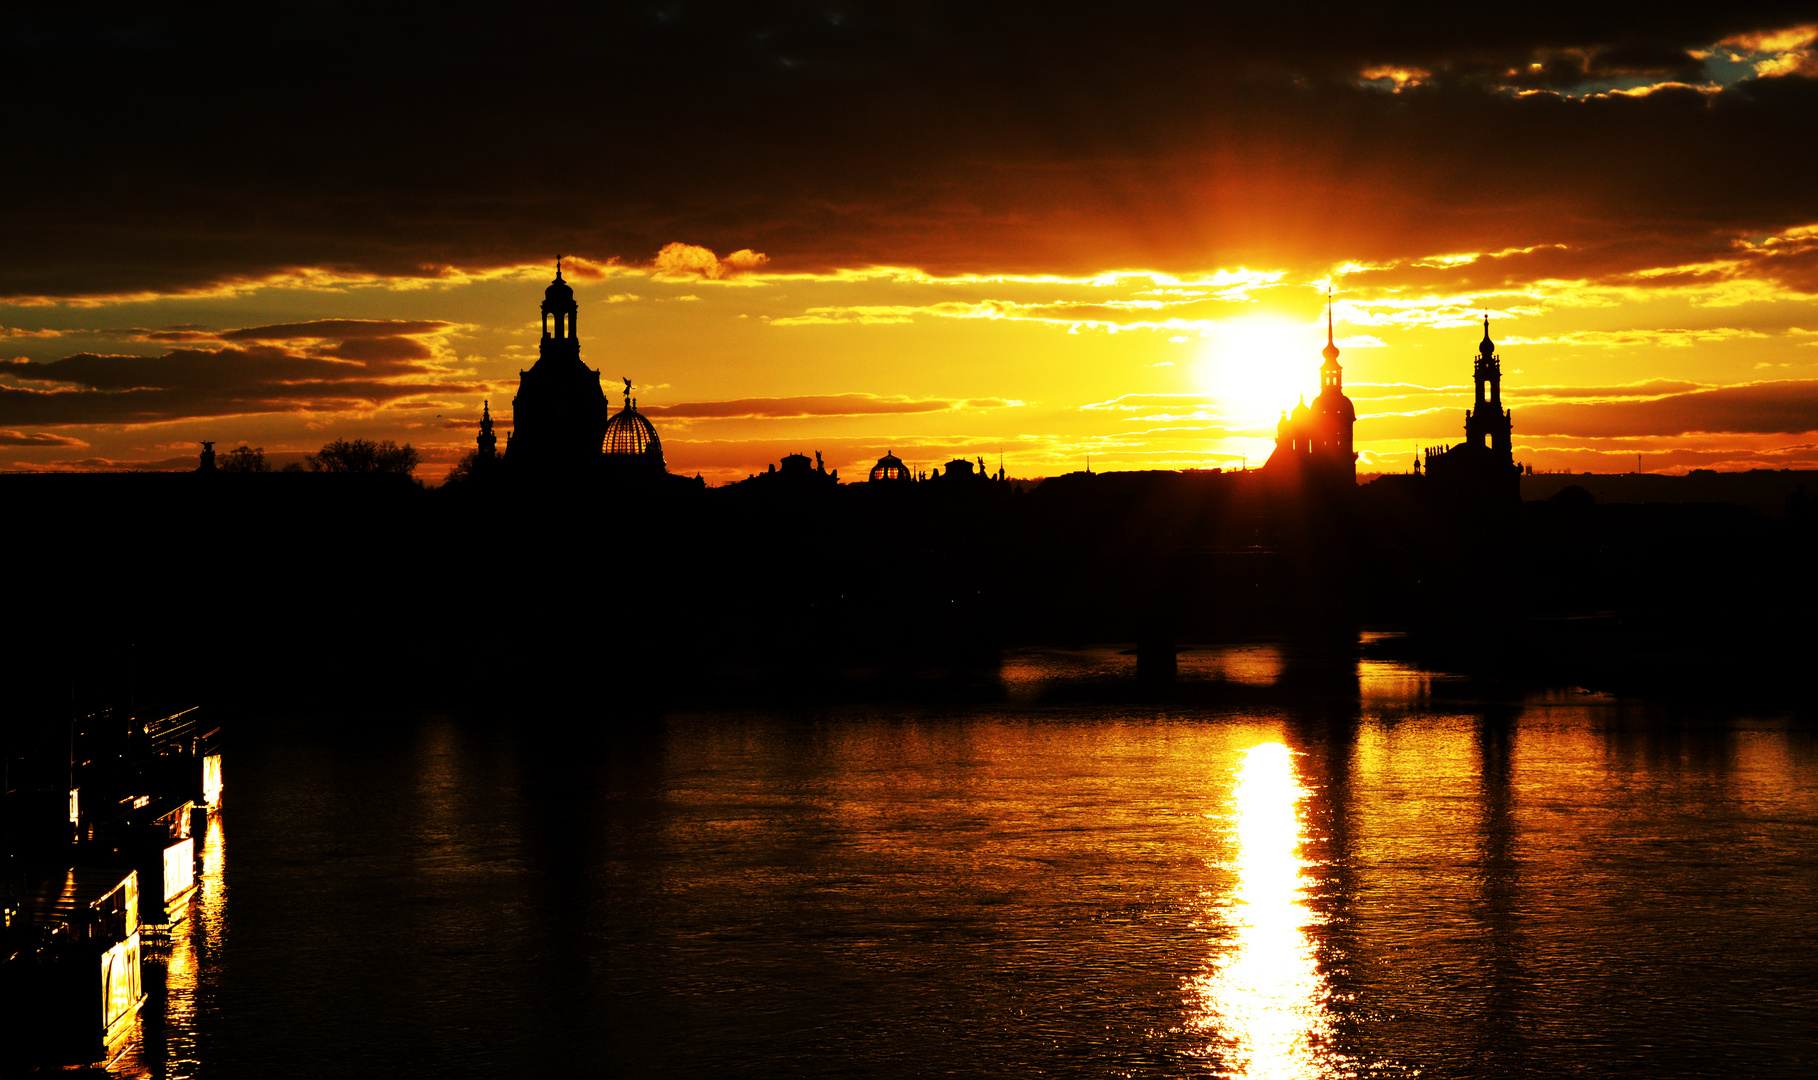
(1383, 878)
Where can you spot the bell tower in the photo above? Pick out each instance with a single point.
(486, 440)
(1334, 417)
(1487, 424)
(558, 305)
(559, 414)
(1331, 376)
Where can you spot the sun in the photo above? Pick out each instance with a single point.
(1252, 369)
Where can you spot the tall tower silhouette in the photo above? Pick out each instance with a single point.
(1486, 424)
(486, 441)
(559, 414)
(1481, 470)
(1334, 417)
(1319, 438)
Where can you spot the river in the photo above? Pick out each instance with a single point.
(1395, 875)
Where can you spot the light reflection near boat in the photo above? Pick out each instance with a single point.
(1262, 1000)
(165, 1047)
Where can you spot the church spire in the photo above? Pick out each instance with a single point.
(1487, 347)
(1330, 352)
(486, 443)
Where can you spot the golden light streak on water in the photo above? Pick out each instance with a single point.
(210, 910)
(1262, 1001)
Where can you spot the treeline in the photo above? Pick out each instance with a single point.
(339, 456)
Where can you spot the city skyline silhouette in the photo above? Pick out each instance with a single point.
(984, 540)
(1119, 267)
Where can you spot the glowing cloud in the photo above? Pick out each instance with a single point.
(678, 261)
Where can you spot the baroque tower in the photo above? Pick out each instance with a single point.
(1319, 439)
(486, 454)
(1482, 469)
(1334, 417)
(1486, 424)
(559, 414)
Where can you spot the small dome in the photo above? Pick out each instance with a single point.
(629, 433)
(558, 293)
(891, 467)
(1300, 411)
(1335, 405)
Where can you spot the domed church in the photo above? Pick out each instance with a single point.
(561, 426)
(559, 416)
(631, 446)
(1318, 439)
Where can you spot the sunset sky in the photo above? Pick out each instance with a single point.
(1047, 232)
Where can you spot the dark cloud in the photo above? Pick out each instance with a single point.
(101, 464)
(92, 388)
(1650, 58)
(36, 438)
(472, 424)
(231, 370)
(165, 337)
(343, 330)
(1758, 408)
(1650, 388)
(955, 136)
(824, 405)
(1658, 409)
(1704, 256)
(393, 352)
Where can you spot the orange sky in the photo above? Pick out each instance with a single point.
(1126, 277)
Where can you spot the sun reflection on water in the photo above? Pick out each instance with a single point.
(1262, 1000)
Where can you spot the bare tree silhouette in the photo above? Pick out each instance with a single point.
(365, 456)
(244, 459)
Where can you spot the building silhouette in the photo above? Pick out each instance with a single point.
(559, 416)
(1316, 441)
(959, 470)
(1482, 468)
(630, 446)
(891, 470)
(562, 427)
(794, 474)
(485, 455)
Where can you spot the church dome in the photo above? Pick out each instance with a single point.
(891, 467)
(558, 292)
(629, 433)
(1300, 411)
(1335, 404)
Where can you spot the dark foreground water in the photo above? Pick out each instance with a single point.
(1380, 880)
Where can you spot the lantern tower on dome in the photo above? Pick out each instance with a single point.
(559, 414)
